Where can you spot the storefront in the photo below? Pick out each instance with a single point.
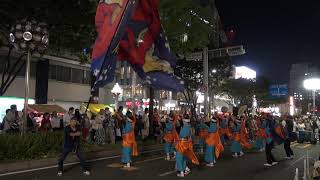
(6, 102)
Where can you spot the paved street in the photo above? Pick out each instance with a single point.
(249, 167)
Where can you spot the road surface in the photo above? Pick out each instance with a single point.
(154, 167)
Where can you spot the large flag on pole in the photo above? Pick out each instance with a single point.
(111, 20)
(141, 41)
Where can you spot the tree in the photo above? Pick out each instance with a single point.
(243, 90)
(190, 26)
(187, 19)
(219, 74)
(71, 22)
(192, 75)
(69, 34)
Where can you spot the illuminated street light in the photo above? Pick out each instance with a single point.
(29, 37)
(116, 91)
(314, 85)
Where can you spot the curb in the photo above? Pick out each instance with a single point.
(33, 164)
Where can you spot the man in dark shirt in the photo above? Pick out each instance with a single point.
(72, 135)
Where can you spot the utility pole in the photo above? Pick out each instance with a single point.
(26, 97)
(205, 79)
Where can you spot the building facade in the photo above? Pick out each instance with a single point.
(68, 82)
(298, 73)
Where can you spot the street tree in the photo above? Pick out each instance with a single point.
(243, 90)
(190, 26)
(71, 29)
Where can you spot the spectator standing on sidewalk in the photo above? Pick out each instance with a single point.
(67, 116)
(45, 123)
(86, 125)
(119, 118)
(287, 141)
(92, 129)
(100, 134)
(77, 114)
(55, 121)
(156, 125)
(72, 135)
(146, 124)
(12, 118)
(109, 127)
(31, 126)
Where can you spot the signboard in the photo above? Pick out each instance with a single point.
(278, 90)
(216, 53)
(197, 56)
(236, 51)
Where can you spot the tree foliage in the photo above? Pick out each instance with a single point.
(243, 90)
(192, 73)
(180, 17)
(71, 22)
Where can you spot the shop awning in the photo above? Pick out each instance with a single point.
(94, 108)
(43, 108)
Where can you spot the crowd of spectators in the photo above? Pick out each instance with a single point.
(105, 127)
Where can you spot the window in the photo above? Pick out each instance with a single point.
(86, 77)
(76, 75)
(128, 72)
(122, 82)
(122, 72)
(63, 74)
(128, 81)
(52, 72)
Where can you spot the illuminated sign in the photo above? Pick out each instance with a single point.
(245, 73)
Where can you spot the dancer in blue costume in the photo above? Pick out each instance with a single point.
(261, 136)
(224, 130)
(213, 144)
(171, 136)
(274, 136)
(236, 146)
(129, 144)
(184, 149)
(203, 133)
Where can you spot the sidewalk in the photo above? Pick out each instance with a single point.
(52, 162)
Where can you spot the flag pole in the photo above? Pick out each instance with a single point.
(104, 61)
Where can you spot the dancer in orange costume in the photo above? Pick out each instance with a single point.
(184, 149)
(171, 136)
(129, 144)
(213, 144)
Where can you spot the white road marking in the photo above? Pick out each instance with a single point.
(67, 164)
(167, 173)
(301, 158)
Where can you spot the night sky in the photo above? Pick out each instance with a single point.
(275, 33)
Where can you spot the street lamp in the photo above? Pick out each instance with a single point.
(29, 37)
(314, 85)
(116, 91)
